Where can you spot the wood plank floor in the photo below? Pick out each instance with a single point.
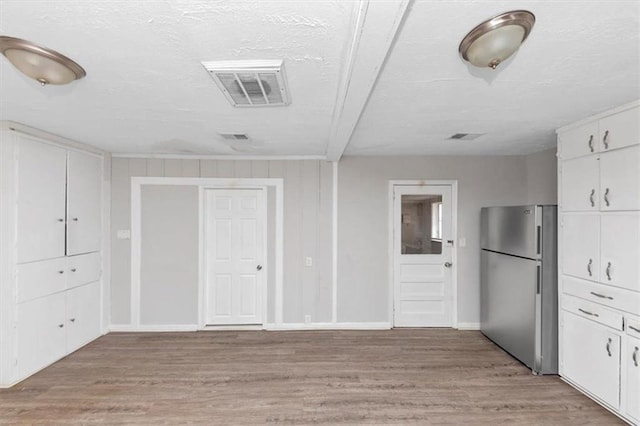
(410, 376)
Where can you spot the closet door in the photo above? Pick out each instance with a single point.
(41, 201)
(84, 195)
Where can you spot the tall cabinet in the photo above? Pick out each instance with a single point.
(51, 259)
(599, 258)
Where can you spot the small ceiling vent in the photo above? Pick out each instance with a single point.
(235, 136)
(251, 83)
(466, 136)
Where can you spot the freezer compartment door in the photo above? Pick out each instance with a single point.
(508, 304)
(512, 230)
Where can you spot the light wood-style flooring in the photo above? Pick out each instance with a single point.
(406, 376)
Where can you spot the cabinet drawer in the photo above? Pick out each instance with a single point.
(592, 311)
(619, 130)
(613, 297)
(620, 179)
(633, 327)
(620, 250)
(39, 279)
(83, 269)
(591, 357)
(579, 141)
(580, 190)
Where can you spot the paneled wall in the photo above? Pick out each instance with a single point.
(307, 227)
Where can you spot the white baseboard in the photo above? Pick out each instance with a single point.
(468, 326)
(329, 326)
(152, 328)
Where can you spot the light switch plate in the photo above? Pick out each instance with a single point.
(123, 234)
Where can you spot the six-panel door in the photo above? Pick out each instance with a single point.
(234, 253)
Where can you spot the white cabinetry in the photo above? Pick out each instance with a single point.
(599, 267)
(50, 292)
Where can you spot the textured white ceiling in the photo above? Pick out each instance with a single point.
(146, 91)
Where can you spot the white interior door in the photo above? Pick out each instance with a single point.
(234, 250)
(422, 223)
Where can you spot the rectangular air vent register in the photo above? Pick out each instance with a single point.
(251, 83)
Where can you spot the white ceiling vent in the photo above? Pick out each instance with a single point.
(251, 83)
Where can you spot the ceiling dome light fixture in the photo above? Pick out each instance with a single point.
(44, 65)
(493, 41)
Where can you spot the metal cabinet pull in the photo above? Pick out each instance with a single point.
(609, 346)
(72, 319)
(602, 296)
(60, 220)
(591, 200)
(606, 197)
(60, 325)
(73, 269)
(608, 271)
(75, 219)
(635, 356)
(259, 267)
(591, 143)
(61, 272)
(448, 264)
(588, 313)
(634, 329)
(589, 267)
(605, 139)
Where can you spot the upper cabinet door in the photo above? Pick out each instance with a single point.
(581, 245)
(580, 184)
(84, 195)
(620, 250)
(620, 130)
(41, 201)
(580, 141)
(620, 179)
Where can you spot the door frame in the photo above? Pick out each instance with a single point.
(454, 233)
(277, 184)
(202, 282)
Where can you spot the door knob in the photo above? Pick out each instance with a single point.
(259, 267)
(448, 264)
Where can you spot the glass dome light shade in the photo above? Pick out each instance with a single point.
(493, 41)
(39, 63)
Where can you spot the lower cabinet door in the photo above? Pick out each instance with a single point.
(83, 315)
(591, 357)
(41, 333)
(632, 360)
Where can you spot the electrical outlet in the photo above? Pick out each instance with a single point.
(308, 261)
(307, 319)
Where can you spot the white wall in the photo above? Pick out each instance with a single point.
(363, 287)
(363, 292)
(307, 228)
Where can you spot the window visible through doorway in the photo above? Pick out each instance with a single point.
(421, 224)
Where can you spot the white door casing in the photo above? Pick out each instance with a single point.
(234, 256)
(422, 284)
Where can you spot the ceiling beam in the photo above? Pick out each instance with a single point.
(375, 29)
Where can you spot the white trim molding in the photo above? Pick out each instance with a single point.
(121, 328)
(201, 183)
(468, 326)
(216, 157)
(329, 326)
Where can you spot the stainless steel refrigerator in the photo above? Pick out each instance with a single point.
(519, 283)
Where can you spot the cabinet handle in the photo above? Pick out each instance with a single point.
(591, 143)
(634, 329)
(609, 346)
(605, 139)
(591, 200)
(589, 267)
(608, 271)
(602, 296)
(75, 219)
(635, 356)
(60, 220)
(61, 272)
(73, 269)
(72, 319)
(588, 313)
(60, 325)
(606, 197)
